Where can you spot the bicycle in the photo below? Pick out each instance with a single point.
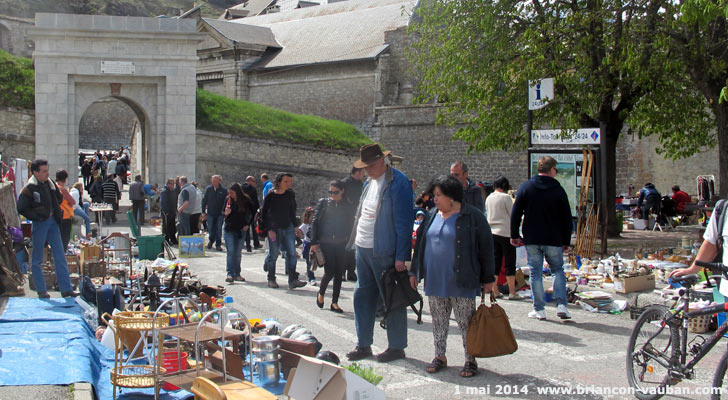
(658, 349)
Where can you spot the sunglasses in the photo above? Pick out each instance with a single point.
(334, 192)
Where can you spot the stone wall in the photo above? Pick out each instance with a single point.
(342, 91)
(17, 133)
(638, 163)
(236, 157)
(106, 125)
(428, 151)
(13, 38)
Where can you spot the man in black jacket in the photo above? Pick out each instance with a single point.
(39, 202)
(168, 203)
(547, 227)
(213, 206)
(252, 192)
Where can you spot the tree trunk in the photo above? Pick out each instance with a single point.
(611, 151)
(721, 119)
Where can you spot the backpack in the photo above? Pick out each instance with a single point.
(399, 294)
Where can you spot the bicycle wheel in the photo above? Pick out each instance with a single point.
(719, 379)
(645, 375)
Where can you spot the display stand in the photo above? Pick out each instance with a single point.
(129, 375)
(110, 257)
(198, 333)
(99, 208)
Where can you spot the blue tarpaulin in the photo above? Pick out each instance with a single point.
(47, 342)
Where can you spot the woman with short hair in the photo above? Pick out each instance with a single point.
(454, 255)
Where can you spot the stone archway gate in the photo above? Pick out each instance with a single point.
(149, 63)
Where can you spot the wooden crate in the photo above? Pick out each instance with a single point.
(74, 264)
(90, 253)
(49, 274)
(94, 269)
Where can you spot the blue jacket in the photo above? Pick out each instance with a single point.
(393, 226)
(649, 195)
(474, 263)
(213, 201)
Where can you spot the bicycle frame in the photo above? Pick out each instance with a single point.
(705, 348)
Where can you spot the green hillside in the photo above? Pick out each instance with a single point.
(17, 81)
(220, 114)
(139, 8)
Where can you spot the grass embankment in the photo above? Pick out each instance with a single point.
(17, 81)
(220, 114)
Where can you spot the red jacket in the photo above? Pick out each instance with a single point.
(681, 198)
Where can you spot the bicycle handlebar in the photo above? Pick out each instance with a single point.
(713, 266)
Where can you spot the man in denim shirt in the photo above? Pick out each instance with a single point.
(382, 236)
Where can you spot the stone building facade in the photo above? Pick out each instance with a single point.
(317, 61)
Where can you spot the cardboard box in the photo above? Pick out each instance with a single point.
(635, 284)
(319, 380)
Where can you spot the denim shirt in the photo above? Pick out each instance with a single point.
(393, 226)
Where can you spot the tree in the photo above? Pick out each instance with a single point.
(700, 38)
(609, 63)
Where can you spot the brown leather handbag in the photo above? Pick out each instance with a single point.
(489, 332)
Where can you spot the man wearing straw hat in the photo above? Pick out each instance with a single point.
(382, 236)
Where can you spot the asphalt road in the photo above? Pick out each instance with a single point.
(555, 356)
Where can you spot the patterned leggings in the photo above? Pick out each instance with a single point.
(440, 309)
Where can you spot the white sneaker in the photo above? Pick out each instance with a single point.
(313, 282)
(562, 312)
(539, 315)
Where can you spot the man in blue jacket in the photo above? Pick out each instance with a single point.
(382, 236)
(547, 225)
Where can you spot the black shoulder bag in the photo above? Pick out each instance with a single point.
(398, 293)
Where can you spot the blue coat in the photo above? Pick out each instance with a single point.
(393, 226)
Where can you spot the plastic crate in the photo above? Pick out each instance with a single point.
(150, 246)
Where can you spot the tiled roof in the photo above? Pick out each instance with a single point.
(244, 33)
(254, 6)
(348, 30)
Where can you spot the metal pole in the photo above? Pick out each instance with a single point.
(529, 127)
(603, 184)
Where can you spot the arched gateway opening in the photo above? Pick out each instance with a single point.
(111, 123)
(148, 64)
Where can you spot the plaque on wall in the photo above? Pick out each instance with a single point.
(117, 67)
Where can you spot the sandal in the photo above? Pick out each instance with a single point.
(436, 365)
(469, 370)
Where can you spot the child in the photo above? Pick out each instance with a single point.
(306, 229)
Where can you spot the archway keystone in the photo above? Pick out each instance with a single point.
(149, 63)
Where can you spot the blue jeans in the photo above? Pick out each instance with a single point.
(234, 246)
(368, 291)
(306, 254)
(22, 258)
(554, 256)
(49, 231)
(286, 241)
(86, 220)
(214, 228)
